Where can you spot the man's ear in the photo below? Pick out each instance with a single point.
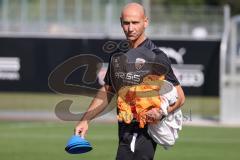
(121, 21)
(146, 22)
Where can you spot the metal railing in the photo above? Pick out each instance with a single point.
(100, 18)
(230, 72)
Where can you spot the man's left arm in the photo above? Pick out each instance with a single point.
(180, 101)
(156, 114)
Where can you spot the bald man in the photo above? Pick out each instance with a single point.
(134, 142)
(134, 22)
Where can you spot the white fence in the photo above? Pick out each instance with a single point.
(230, 73)
(100, 18)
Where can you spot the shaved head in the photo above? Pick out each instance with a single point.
(133, 7)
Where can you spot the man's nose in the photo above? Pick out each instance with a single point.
(130, 27)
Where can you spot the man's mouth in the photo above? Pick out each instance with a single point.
(131, 35)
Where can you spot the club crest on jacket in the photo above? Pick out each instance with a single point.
(139, 63)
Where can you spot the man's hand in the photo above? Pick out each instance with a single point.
(98, 104)
(81, 128)
(154, 115)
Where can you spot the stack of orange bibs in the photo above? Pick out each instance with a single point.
(134, 101)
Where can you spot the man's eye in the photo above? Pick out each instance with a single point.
(126, 23)
(135, 22)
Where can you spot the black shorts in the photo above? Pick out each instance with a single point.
(144, 146)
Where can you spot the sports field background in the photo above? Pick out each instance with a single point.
(29, 128)
(207, 107)
(41, 140)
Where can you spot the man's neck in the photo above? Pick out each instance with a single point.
(135, 44)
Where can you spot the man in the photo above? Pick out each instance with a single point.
(133, 22)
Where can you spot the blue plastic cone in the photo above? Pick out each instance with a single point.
(77, 145)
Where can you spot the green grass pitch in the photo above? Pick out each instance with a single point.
(204, 106)
(46, 141)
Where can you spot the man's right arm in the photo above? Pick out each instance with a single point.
(98, 104)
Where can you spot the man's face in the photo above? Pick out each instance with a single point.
(133, 24)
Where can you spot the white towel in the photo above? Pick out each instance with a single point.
(165, 132)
